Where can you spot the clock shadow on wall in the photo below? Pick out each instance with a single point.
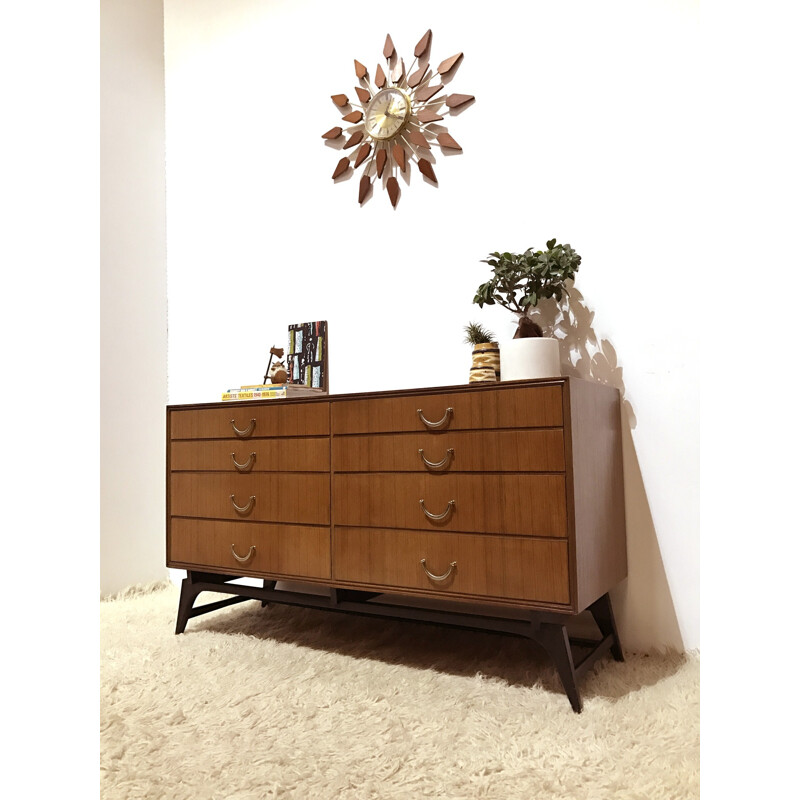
(400, 114)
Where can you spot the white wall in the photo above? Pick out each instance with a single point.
(133, 346)
(49, 395)
(584, 128)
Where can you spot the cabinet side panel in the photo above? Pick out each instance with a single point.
(599, 502)
(167, 515)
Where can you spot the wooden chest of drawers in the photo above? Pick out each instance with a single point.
(506, 494)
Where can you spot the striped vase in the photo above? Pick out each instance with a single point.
(485, 356)
(482, 375)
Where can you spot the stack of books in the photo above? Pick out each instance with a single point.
(270, 391)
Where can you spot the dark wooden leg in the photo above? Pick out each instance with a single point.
(267, 585)
(188, 596)
(555, 640)
(604, 617)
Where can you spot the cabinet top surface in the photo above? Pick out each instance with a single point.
(461, 387)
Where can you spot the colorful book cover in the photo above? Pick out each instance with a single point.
(238, 395)
(307, 356)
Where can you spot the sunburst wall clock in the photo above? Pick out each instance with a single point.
(397, 119)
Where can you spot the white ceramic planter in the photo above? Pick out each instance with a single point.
(529, 358)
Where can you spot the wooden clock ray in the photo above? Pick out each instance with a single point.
(397, 118)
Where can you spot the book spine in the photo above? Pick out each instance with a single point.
(242, 395)
(272, 391)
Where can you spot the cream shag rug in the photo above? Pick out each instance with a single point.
(282, 702)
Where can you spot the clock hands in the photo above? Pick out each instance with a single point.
(384, 119)
(387, 114)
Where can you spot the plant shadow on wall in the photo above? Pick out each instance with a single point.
(555, 336)
(644, 605)
(583, 355)
(397, 120)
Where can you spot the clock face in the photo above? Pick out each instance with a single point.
(387, 114)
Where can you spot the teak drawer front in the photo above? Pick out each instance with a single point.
(486, 566)
(302, 498)
(528, 407)
(532, 505)
(256, 455)
(273, 418)
(290, 550)
(531, 450)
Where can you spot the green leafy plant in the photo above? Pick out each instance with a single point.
(520, 280)
(477, 334)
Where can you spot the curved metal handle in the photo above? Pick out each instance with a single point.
(445, 462)
(432, 425)
(244, 509)
(438, 577)
(242, 559)
(450, 506)
(246, 466)
(247, 431)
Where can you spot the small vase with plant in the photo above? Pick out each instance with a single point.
(485, 353)
(519, 281)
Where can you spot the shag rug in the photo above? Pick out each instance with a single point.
(257, 703)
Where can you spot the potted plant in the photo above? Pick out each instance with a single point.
(519, 281)
(485, 353)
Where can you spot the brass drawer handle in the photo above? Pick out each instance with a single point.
(244, 509)
(246, 466)
(246, 432)
(242, 559)
(438, 577)
(445, 462)
(448, 412)
(450, 506)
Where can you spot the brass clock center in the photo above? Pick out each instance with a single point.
(387, 114)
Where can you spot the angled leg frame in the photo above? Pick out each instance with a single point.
(546, 629)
